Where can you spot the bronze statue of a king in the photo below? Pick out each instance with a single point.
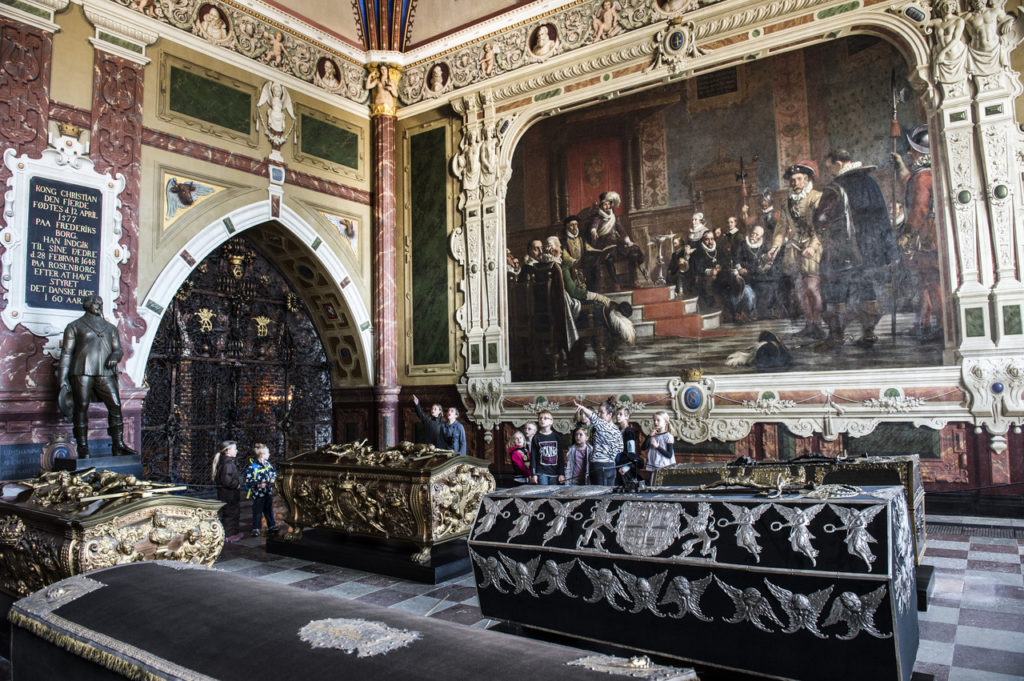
(88, 371)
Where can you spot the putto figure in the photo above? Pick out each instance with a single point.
(88, 370)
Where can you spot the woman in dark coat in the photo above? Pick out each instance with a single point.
(229, 485)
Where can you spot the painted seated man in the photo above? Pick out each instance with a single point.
(605, 232)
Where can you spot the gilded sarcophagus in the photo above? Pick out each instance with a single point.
(62, 524)
(808, 584)
(871, 470)
(412, 493)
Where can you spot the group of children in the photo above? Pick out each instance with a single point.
(259, 479)
(443, 432)
(605, 449)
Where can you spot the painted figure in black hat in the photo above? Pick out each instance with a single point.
(853, 222)
(916, 240)
(800, 246)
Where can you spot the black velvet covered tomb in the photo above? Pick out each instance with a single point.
(159, 620)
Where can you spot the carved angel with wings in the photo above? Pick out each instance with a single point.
(803, 611)
(643, 590)
(521, 574)
(686, 595)
(491, 571)
(555, 574)
(751, 605)
(744, 519)
(858, 612)
(606, 586)
(278, 103)
(798, 519)
(856, 522)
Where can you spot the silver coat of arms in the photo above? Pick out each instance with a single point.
(647, 529)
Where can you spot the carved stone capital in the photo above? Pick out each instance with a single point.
(486, 394)
(994, 388)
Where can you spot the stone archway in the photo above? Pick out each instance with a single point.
(237, 356)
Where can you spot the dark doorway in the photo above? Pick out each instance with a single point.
(236, 357)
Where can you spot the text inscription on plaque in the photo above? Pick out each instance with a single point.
(64, 235)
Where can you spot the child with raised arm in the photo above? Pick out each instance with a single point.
(607, 443)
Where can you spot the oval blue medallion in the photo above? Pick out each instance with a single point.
(997, 387)
(692, 398)
(676, 40)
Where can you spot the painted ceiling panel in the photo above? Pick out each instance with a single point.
(337, 16)
(434, 18)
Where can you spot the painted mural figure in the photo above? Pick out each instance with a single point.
(801, 246)
(573, 241)
(605, 232)
(853, 223)
(621, 329)
(917, 239)
(89, 356)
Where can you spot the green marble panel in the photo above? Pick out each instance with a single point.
(975, 322)
(210, 101)
(429, 231)
(329, 142)
(1011, 320)
(838, 9)
(26, 7)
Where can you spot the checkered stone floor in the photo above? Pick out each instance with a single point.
(973, 629)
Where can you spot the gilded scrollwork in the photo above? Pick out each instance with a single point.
(96, 520)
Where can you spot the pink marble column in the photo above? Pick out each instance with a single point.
(117, 148)
(24, 113)
(385, 326)
(28, 407)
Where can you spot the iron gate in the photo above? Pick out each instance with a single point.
(236, 357)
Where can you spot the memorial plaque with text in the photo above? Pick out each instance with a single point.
(64, 240)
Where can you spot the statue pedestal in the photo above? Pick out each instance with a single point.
(128, 465)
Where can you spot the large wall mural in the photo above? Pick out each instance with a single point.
(704, 224)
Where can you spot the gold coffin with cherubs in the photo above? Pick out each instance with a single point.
(62, 524)
(411, 492)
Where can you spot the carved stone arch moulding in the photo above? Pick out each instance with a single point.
(338, 286)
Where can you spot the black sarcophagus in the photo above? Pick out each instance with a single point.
(818, 584)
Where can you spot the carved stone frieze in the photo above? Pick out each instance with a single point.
(244, 32)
